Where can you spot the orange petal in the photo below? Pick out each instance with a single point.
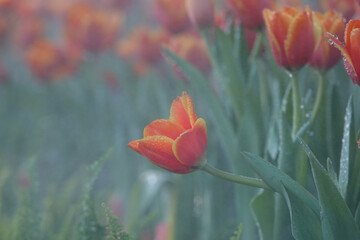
(134, 145)
(158, 149)
(190, 147)
(300, 41)
(163, 127)
(335, 42)
(182, 111)
(355, 52)
(352, 24)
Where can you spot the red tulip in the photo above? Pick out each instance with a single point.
(326, 56)
(249, 12)
(176, 144)
(291, 35)
(201, 12)
(350, 52)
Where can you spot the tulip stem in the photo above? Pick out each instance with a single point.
(319, 96)
(253, 182)
(296, 103)
(257, 45)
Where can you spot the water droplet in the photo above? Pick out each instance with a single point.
(301, 106)
(307, 115)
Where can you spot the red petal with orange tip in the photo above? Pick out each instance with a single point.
(158, 149)
(182, 111)
(190, 147)
(163, 127)
(352, 24)
(300, 42)
(134, 145)
(355, 50)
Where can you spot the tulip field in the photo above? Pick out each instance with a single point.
(179, 119)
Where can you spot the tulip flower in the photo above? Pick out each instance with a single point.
(350, 52)
(347, 8)
(292, 36)
(176, 144)
(192, 48)
(171, 14)
(326, 56)
(201, 12)
(249, 12)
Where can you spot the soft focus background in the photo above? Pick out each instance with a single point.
(80, 79)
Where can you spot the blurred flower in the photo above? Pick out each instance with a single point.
(24, 179)
(116, 206)
(350, 52)
(220, 20)
(49, 62)
(249, 12)
(171, 14)
(201, 12)
(162, 231)
(28, 31)
(3, 74)
(326, 56)
(115, 4)
(346, 7)
(177, 144)
(6, 5)
(90, 28)
(26, 8)
(143, 44)
(291, 35)
(111, 80)
(192, 48)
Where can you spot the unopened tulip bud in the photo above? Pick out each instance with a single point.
(201, 12)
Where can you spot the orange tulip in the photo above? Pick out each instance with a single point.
(291, 35)
(249, 12)
(192, 48)
(346, 7)
(326, 56)
(350, 52)
(171, 14)
(92, 28)
(177, 144)
(201, 12)
(49, 62)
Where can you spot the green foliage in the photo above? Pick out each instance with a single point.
(115, 231)
(89, 226)
(237, 233)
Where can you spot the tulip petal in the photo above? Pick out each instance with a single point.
(348, 63)
(300, 41)
(163, 127)
(352, 24)
(182, 111)
(190, 147)
(158, 149)
(355, 50)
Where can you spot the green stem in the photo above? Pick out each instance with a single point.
(296, 104)
(253, 182)
(319, 96)
(257, 45)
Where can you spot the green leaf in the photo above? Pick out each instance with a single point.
(331, 171)
(305, 224)
(344, 159)
(275, 178)
(263, 210)
(336, 219)
(357, 215)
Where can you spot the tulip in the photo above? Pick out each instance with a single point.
(249, 12)
(201, 12)
(347, 8)
(49, 62)
(192, 48)
(176, 144)
(292, 36)
(326, 56)
(172, 15)
(350, 52)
